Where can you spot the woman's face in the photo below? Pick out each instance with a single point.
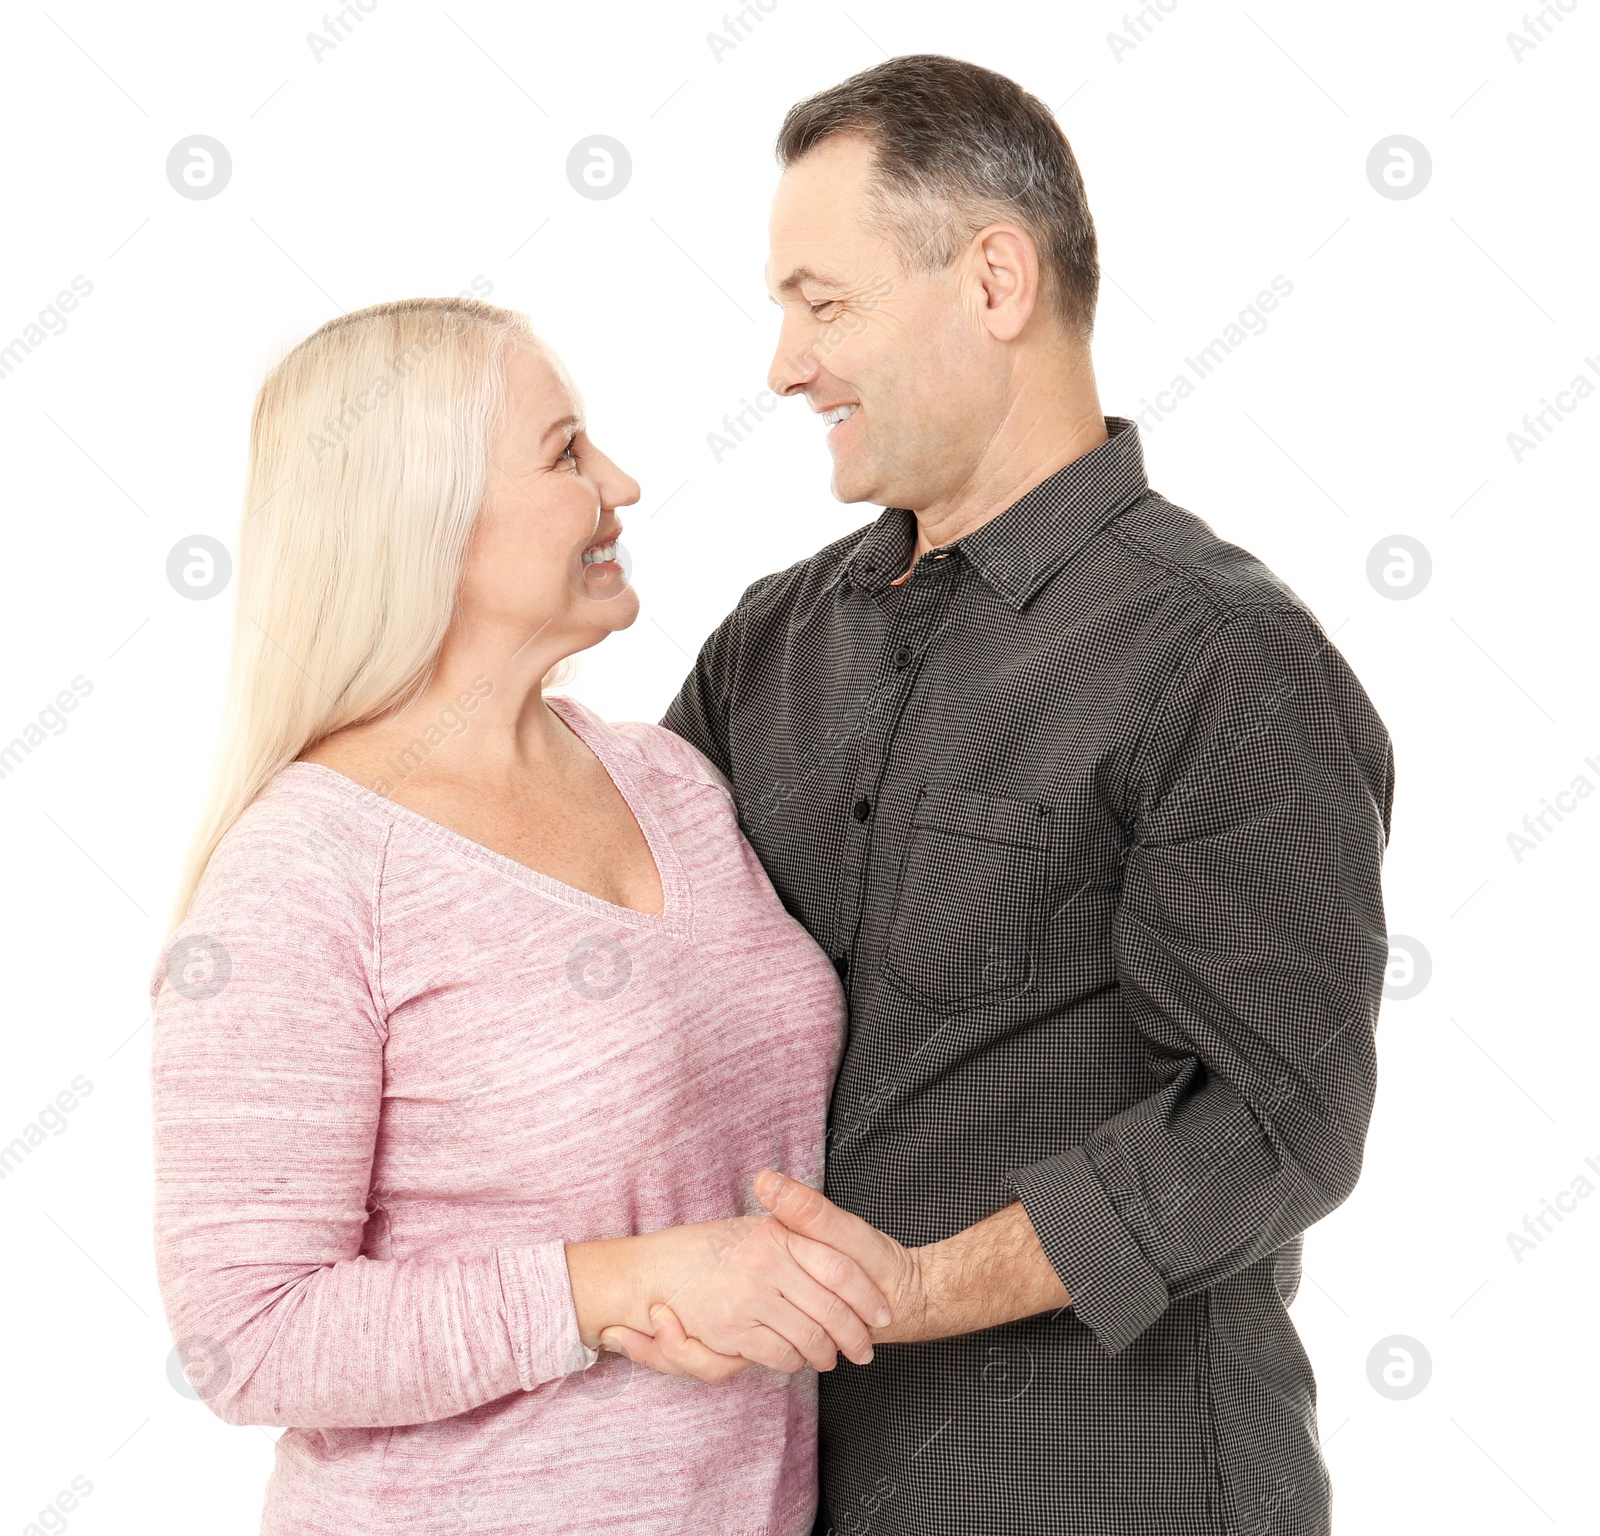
(549, 512)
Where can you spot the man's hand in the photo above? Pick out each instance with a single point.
(993, 1272)
(827, 1238)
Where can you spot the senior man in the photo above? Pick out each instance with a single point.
(1090, 813)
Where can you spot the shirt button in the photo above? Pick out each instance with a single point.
(902, 658)
(861, 809)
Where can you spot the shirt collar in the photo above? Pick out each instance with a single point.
(1021, 548)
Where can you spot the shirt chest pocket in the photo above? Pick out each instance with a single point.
(966, 917)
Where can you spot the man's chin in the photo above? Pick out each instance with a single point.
(850, 485)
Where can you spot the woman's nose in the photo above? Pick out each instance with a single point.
(618, 488)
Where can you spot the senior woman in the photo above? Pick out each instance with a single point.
(480, 1016)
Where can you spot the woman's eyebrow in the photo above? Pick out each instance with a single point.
(566, 425)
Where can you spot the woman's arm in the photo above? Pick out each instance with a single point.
(268, 1082)
(268, 1079)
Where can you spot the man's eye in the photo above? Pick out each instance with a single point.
(823, 304)
(567, 452)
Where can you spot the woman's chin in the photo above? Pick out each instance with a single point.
(615, 602)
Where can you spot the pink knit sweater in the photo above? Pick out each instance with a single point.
(395, 1072)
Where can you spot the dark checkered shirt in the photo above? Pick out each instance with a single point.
(1090, 813)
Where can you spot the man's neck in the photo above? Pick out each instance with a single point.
(1048, 425)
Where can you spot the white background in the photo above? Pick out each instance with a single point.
(428, 149)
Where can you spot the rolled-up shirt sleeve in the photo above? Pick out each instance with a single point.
(1250, 949)
(268, 1079)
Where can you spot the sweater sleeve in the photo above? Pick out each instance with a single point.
(268, 1094)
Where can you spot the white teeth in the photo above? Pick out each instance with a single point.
(838, 414)
(599, 553)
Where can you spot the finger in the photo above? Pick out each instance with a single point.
(808, 1211)
(765, 1347)
(638, 1347)
(829, 1311)
(839, 1273)
(796, 1327)
(690, 1357)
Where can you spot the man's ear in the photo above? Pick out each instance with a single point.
(1006, 277)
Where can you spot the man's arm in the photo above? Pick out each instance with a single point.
(993, 1272)
(1250, 950)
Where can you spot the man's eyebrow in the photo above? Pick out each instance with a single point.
(564, 426)
(800, 275)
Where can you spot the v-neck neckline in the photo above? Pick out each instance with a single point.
(674, 915)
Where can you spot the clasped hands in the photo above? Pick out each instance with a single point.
(798, 1286)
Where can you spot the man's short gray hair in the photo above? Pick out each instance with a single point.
(958, 147)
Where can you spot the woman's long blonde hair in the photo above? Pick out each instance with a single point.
(369, 448)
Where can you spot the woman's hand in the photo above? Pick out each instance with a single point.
(745, 1288)
(830, 1247)
(670, 1350)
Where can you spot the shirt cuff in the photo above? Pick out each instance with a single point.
(540, 1313)
(1116, 1291)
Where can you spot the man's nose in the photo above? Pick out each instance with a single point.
(793, 365)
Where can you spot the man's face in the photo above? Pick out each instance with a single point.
(922, 383)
